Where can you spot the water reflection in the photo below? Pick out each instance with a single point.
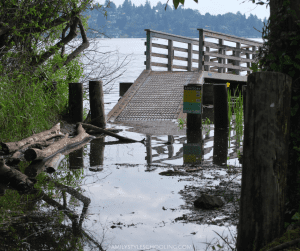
(97, 147)
(220, 146)
(193, 149)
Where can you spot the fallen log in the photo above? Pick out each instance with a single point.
(14, 178)
(50, 165)
(59, 146)
(45, 135)
(101, 130)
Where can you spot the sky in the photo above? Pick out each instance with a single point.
(214, 7)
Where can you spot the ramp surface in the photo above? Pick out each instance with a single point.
(155, 95)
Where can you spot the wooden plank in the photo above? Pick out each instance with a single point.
(227, 66)
(226, 47)
(180, 67)
(163, 35)
(242, 60)
(230, 38)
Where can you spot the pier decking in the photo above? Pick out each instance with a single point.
(158, 95)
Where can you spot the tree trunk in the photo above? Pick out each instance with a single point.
(56, 147)
(45, 135)
(265, 160)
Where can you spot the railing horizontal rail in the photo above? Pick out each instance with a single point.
(230, 38)
(163, 35)
(208, 60)
(227, 48)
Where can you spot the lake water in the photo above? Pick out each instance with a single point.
(132, 206)
(128, 196)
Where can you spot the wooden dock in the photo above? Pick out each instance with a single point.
(158, 95)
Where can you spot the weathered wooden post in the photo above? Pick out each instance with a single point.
(148, 49)
(201, 44)
(208, 94)
(123, 87)
(220, 146)
(170, 55)
(220, 106)
(97, 103)
(244, 93)
(76, 102)
(265, 159)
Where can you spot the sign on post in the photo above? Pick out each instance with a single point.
(192, 99)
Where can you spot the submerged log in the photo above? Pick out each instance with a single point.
(56, 147)
(45, 135)
(101, 130)
(14, 178)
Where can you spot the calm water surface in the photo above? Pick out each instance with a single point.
(128, 196)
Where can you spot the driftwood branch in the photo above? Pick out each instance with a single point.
(14, 178)
(56, 147)
(50, 165)
(101, 130)
(45, 135)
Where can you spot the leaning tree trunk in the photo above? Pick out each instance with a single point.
(265, 159)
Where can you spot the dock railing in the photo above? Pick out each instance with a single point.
(209, 60)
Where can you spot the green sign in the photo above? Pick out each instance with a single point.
(192, 99)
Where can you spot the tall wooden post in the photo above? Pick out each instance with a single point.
(76, 102)
(220, 106)
(201, 44)
(97, 103)
(244, 93)
(221, 60)
(170, 55)
(148, 50)
(265, 159)
(190, 56)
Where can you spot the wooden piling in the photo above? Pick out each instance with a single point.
(76, 102)
(244, 93)
(194, 120)
(220, 106)
(123, 87)
(97, 103)
(265, 159)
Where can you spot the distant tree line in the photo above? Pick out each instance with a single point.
(129, 20)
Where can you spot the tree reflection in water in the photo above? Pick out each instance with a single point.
(43, 219)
